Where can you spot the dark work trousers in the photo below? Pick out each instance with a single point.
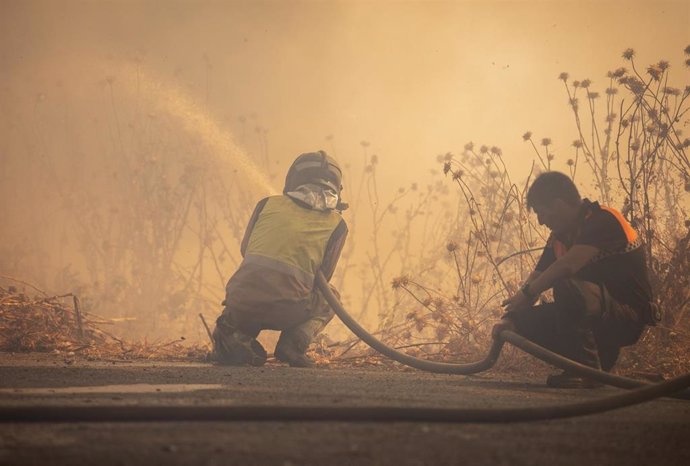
(299, 322)
(584, 323)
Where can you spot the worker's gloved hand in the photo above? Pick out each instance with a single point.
(504, 324)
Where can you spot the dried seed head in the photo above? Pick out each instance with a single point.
(546, 142)
(451, 246)
(577, 143)
(655, 72)
(620, 72)
(636, 86)
(663, 129)
(527, 136)
(563, 76)
(570, 162)
(400, 281)
(628, 54)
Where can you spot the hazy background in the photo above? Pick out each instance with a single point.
(265, 81)
(414, 78)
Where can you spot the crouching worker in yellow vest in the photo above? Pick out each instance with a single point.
(289, 238)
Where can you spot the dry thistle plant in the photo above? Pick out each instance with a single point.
(636, 155)
(640, 164)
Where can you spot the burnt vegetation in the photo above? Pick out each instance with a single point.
(156, 236)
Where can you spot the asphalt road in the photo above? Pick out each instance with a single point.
(652, 433)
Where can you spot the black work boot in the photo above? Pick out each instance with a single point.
(291, 348)
(294, 358)
(234, 348)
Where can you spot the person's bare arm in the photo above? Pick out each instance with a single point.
(565, 267)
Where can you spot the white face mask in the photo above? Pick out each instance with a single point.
(316, 196)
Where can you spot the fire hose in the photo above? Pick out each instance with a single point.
(479, 366)
(640, 392)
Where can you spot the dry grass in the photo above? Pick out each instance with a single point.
(46, 324)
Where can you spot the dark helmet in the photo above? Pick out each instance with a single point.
(316, 168)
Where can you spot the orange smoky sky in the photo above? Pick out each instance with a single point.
(415, 79)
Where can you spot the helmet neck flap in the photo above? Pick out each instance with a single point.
(315, 168)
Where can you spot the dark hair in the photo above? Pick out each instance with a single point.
(552, 185)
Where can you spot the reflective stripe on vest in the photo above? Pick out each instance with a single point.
(290, 237)
(634, 241)
(630, 232)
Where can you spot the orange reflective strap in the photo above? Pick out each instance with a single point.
(630, 232)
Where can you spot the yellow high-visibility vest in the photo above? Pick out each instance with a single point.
(291, 238)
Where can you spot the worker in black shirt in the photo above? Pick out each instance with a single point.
(594, 262)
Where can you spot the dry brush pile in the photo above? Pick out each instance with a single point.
(49, 324)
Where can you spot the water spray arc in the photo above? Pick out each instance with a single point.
(173, 101)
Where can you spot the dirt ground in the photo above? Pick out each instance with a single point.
(651, 433)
